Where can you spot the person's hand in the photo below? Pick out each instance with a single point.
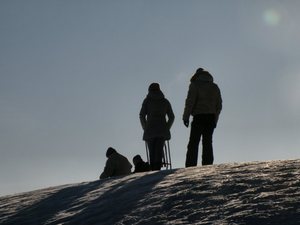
(186, 123)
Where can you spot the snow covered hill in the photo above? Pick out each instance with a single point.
(244, 193)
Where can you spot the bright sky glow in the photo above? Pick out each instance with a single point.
(272, 17)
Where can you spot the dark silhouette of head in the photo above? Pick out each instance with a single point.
(136, 159)
(110, 151)
(199, 70)
(202, 74)
(154, 87)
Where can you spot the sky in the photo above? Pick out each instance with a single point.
(73, 76)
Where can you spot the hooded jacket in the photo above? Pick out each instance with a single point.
(116, 165)
(153, 116)
(204, 96)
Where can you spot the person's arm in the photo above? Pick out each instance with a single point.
(218, 105)
(108, 170)
(143, 114)
(171, 116)
(189, 102)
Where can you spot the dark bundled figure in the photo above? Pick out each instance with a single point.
(140, 165)
(156, 127)
(204, 103)
(116, 164)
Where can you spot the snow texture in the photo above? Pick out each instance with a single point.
(238, 193)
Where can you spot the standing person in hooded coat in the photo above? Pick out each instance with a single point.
(156, 128)
(204, 103)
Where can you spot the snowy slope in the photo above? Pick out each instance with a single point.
(245, 193)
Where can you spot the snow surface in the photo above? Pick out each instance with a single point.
(238, 193)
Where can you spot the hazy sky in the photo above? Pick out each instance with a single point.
(73, 75)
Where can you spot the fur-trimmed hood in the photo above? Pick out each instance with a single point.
(202, 76)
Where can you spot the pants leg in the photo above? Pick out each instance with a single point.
(202, 125)
(155, 146)
(151, 148)
(159, 145)
(193, 145)
(207, 148)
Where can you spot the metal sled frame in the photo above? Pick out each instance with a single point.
(166, 158)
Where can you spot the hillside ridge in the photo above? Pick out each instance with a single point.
(234, 193)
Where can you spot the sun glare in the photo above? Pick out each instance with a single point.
(271, 17)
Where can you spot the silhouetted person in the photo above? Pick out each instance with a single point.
(140, 165)
(156, 127)
(116, 164)
(204, 103)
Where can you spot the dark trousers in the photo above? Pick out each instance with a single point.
(203, 125)
(155, 146)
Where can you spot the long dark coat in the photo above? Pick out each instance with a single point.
(153, 114)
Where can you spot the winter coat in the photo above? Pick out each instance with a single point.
(142, 167)
(153, 116)
(116, 165)
(204, 97)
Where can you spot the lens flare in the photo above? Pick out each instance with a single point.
(271, 17)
